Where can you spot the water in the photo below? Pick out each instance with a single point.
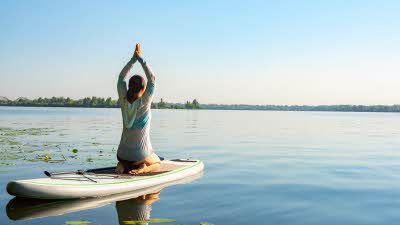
(261, 167)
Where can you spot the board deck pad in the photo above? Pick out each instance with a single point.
(164, 167)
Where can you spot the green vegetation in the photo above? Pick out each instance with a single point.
(31, 145)
(77, 222)
(30, 131)
(165, 105)
(157, 220)
(152, 220)
(330, 108)
(96, 102)
(7, 141)
(12, 148)
(91, 102)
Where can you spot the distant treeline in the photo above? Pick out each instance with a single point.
(91, 102)
(96, 102)
(331, 108)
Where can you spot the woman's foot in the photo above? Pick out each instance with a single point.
(120, 168)
(143, 168)
(150, 164)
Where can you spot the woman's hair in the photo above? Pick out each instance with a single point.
(136, 84)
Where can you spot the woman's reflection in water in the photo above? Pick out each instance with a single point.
(136, 209)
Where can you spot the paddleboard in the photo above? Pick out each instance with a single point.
(101, 182)
(29, 208)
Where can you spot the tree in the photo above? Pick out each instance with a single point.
(86, 102)
(162, 104)
(109, 102)
(188, 105)
(195, 104)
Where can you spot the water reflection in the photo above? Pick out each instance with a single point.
(136, 209)
(135, 205)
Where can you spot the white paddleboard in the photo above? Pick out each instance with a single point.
(101, 183)
(26, 209)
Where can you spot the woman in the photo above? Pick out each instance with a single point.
(135, 153)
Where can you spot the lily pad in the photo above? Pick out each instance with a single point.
(160, 220)
(8, 141)
(74, 150)
(4, 156)
(77, 222)
(152, 220)
(29, 131)
(134, 222)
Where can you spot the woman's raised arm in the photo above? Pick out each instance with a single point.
(147, 70)
(121, 84)
(150, 87)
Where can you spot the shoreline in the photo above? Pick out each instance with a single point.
(206, 107)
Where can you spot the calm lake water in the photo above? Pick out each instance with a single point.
(261, 167)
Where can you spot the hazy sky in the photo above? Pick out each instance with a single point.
(253, 52)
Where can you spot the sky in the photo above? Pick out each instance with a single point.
(225, 52)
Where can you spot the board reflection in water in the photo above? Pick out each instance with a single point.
(131, 205)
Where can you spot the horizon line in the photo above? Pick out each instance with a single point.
(4, 98)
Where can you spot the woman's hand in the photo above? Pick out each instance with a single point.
(138, 51)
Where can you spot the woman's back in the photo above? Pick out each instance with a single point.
(135, 142)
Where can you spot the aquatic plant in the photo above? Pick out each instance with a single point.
(8, 141)
(21, 144)
(89, 160)
(77, 222)
(152, 220)
(5, 131)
